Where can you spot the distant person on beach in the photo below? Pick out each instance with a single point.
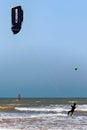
(19, 97)
(72, 109)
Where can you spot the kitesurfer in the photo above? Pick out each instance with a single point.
(72, 109)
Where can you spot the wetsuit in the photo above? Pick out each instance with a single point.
(72, 109)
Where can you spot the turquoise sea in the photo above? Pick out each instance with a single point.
(42, 114)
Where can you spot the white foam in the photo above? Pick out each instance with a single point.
(55, 109)
(53, 117)
(9, 129)
(81, 108)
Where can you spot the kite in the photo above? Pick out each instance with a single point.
(16, 19)
(76, 68)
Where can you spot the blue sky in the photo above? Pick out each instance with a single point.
(39, 61)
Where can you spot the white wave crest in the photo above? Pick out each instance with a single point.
(82, 108)
(40, 109)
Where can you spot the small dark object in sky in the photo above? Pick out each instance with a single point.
(16, 18)
(76, 68)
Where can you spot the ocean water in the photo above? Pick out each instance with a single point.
(42, 114)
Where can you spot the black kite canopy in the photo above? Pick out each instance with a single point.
(16, 18)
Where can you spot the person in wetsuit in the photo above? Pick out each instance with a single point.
(72, 109)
